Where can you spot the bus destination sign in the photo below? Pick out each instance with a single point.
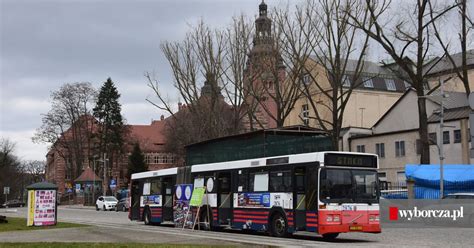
(350, 160)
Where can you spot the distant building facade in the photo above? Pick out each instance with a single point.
(61, 167)
(376, 90)
(395, 136)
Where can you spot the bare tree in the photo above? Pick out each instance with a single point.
(329, 58)
(10, 170)
(69, 125)
(459, 68)
(212, 109)
(409, 42)
(33, 171)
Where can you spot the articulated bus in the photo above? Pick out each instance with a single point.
(321, 192)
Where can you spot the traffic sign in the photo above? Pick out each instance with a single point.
(6, 190)
(113, 183)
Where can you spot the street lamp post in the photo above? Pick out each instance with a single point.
(441, 138)
(93, 183)
(104, 160)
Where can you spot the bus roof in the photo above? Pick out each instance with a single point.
(260, 162)
(155, 173)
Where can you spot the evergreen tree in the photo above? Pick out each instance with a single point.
(107, 111)
(111, 129)
(136, 161)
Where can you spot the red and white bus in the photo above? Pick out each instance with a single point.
(321, 192)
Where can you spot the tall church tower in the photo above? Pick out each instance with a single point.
(264, 68)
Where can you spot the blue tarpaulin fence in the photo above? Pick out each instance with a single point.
(457, 178)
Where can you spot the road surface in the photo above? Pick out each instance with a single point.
(115, 227)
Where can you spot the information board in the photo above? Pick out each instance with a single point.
(196, 198)
(41, 207)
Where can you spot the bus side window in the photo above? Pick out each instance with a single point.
(280, 181)
(242, 184)
(155, 188)
(258, 182)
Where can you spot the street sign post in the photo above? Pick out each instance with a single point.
(113, 184)
(6, 191)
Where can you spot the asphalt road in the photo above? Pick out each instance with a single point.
(115, 227)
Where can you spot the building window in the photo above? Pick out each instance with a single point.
(380, 149)
(432, 139)
(401, 176)
(399, 148)
(306, 80)
(148, 158)
(368, 83)
(390, 83)
(360, 148)
(305, 114)
(346, 82)
(418, 147)
(426, 86)
(457, 136)
(446, 137)
(407, 85)
(382, 176)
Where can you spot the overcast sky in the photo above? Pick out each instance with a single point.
(45, 44)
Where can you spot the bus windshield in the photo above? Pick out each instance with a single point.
(348, 186)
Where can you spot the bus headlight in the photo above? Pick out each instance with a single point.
(334, 218)
(374, 218)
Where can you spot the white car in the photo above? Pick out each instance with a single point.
(105, 203)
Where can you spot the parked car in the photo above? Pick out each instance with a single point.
(122, 205)
(13, 204)
(106, 203)
(459, 196)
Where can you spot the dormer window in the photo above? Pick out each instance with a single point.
(346, 82)
(390, 84)
(368, 83)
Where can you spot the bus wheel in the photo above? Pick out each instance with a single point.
(147, 217)
(279, 227)
(330, 236)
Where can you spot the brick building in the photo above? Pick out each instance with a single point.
(265, 72)
(63, 169)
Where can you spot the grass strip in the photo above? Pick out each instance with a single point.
(19, 224)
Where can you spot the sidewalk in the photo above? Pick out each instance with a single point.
(77, 206)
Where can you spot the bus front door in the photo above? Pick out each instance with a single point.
(224, 198)
(167, 193)
(300, 195)
(135, 193)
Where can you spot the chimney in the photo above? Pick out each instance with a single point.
(162, 117)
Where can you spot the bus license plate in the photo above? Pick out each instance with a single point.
(355, 228)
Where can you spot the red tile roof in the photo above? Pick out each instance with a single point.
(150, 137)
(87, 176)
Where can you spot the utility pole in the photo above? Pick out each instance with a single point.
(105, 174)
(93, 183)
(441, 145)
